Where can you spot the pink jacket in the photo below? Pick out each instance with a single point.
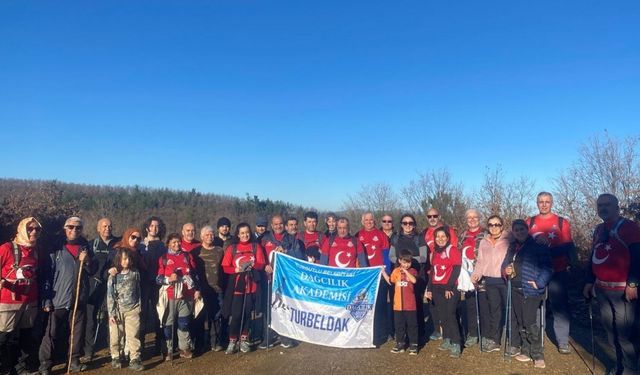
(490, 257)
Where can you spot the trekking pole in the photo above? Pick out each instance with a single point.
(478, 318)
(174, 323)
(509, 321)
(593, 342)
(244, 304)
(268, 311)
(543, 317)
(73, 315)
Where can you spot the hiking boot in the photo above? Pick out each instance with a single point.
(136, 365)
(77, 367)
(539, 363)
(455, 351)
(490, 346)
(446, 345)
(522, 358)
(471, 341)
(512, 351)
(397, 349)
(231, 348)
(244, 346)
(413, 349)
(115, 363)
(287, 343)
(436, 335)
(186, 354)
(564, 349)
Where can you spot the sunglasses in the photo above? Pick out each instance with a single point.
(73, 227)
(492, 225)
(387, 221)
(33, 229)
(432, 216)
(408, 223)
(135, 238)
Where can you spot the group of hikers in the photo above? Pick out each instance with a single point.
(485, 285)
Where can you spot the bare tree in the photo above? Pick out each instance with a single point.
(511, 200)
(606, 165)
(438, 190)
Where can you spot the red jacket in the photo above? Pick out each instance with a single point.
(183, 265)
(21, 285)
(244, 253)
(374, 241)
(442, 266)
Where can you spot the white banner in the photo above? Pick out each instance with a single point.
(324, 305)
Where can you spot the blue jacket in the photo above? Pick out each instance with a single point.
(536, 265)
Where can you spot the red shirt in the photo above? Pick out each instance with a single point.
(374, 241)
(550, 228)
(244, 253)
(469, 243)
(269, 244)
(17, 290)
(404, 298)
(310, 239)
(610, 257)
(442, 265)
(343, 251)
(188, 246)
(182, 264)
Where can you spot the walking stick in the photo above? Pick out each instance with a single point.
(73, 315)
(268, 311)
(507, 324)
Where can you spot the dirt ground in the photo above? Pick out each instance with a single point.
(313, 359)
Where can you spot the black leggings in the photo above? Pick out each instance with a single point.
(237, 315)
(446, 312)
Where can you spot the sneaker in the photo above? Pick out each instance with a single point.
(244, 346)
(564, 349)
(263, 344)
(231, 348)
(436, 335)
(455, 351)
(115, 363)
(413, 349)
(522, 358)
(287, 344)
(217, 348)
(397, 349)
(489, 346)
(539, 363)
(446, 345)
(186, 354)
(471, 341)
(136, 365)
(513, 351)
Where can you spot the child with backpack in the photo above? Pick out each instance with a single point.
(404, 303)
(240, 262)
(123, 303)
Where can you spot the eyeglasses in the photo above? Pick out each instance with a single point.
(74, 227)
(387, 221)
(135, 238)
(432, 216)
(408, 223)
(494, 225)
(33, 229)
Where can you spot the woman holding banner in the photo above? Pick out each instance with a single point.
(240, 261)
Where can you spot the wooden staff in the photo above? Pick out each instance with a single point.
(73, 315)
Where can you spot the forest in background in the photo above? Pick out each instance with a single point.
(604, 164)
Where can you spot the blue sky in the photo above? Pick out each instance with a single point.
(308, 101)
